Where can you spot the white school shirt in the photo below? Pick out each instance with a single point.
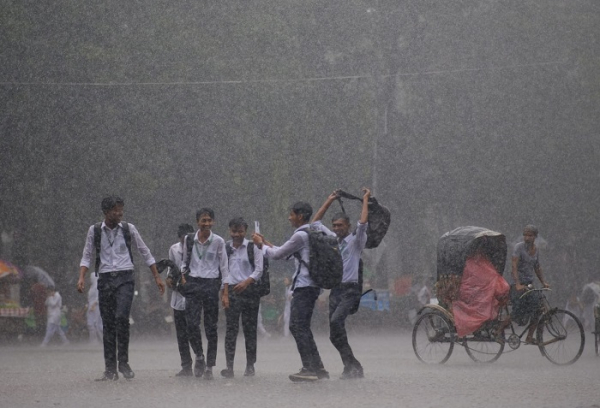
(298, 242)
(114, 255)
(207, 258)
(239, 264)
(351, 248)
(176, 255)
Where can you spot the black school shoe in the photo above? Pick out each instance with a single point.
(249, 371)
(108, 376)
(185, 372)
(208, 375)
(227, 373)
(126, 371)
(199, 367)
(352, 372)
(304, 375)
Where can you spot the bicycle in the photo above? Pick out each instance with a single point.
(560, 336)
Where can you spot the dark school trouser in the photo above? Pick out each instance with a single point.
(244, 305)
(202, 297)
(183, 340)
(341, 301)
(115, 295)
(303, 304)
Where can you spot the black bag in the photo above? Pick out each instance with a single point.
(325, 265)
(379, 219)
(263, 285)
(98, 238)
(174, 273)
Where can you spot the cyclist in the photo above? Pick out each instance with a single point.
(525, 266)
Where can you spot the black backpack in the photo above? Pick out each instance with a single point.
(379, 219)
(98, 238)
(325, 265)
(263, 285)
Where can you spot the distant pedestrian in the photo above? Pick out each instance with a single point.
(94, 320)
(112, 240)
(53, 307)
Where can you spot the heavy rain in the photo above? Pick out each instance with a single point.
(453, 113)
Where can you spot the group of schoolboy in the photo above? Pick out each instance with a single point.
(228, 272)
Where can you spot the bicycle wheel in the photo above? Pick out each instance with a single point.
(483, 349)
(433, 338)
(560, 336)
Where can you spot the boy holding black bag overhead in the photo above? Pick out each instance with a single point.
(344, 297)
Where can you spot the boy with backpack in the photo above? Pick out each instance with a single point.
(205, 266)
(112, 240)
(241, 296)
(305, 291)
(344, 297)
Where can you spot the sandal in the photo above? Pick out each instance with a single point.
(533, 342)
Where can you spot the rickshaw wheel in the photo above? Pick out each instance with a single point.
(433, 338)
(483, 350)
(560, 337)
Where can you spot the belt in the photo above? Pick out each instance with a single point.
(195, 278)
(114, 274)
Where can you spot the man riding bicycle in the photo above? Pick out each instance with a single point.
(525, 266)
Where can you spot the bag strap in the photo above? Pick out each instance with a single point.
(189, 245)
(98, 241)
(127, 236)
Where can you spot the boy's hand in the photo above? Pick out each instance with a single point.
(366, 193)
(80, 285)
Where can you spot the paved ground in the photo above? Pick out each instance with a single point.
(64, 377)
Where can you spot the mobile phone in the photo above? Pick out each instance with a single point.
(257, 227)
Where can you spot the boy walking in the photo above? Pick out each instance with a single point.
(112, 240)
(305, 292)
(178, 304)
(206, 261)
(240, 295)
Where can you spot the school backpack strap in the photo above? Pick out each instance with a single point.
(263, 285)
(97, 239)
(127, 236)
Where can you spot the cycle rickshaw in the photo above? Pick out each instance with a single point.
(559, 335)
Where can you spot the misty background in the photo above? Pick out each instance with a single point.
(454, 112)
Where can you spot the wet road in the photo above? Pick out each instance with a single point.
(64, 377)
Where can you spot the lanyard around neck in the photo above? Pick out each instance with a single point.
(204, 249)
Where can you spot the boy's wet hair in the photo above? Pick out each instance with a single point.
(184, 229)
(205, 210)
(340, 216)
(110, 202)
(304, 209)
(531, 228)
(238, 222)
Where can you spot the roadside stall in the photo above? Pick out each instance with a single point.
(12, 315)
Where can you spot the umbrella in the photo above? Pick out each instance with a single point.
(38, 274)
(8, 270)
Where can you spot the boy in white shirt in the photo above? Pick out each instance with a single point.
(208, 267)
